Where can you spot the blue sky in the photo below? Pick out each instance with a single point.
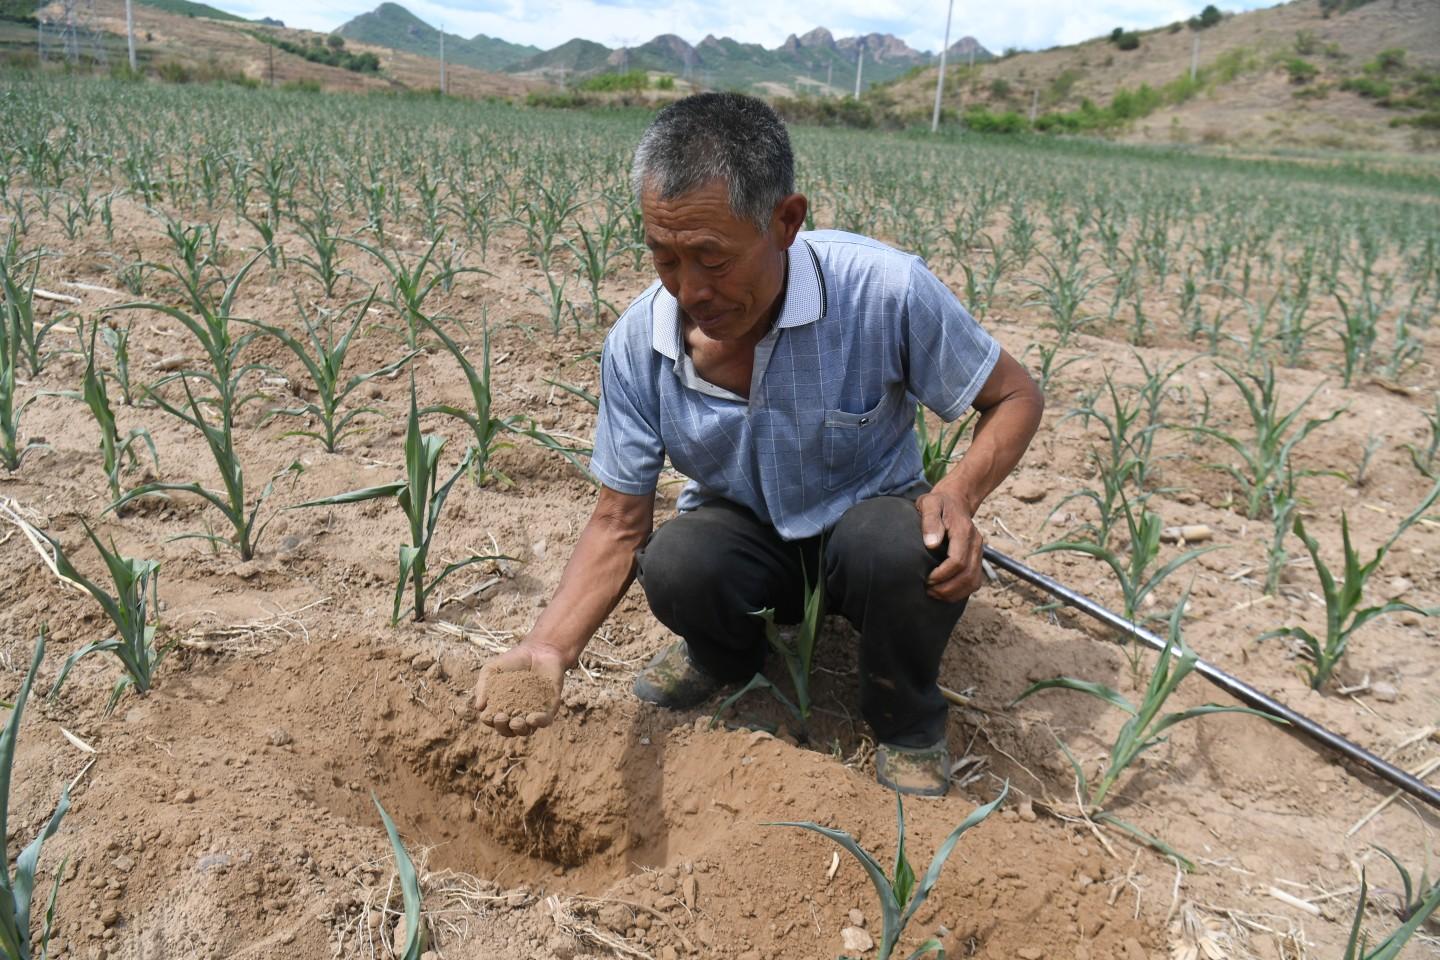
(1031, 24)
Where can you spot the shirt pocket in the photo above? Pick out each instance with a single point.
(852, 441)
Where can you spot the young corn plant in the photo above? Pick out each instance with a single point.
(421, 497)
(796, 646)
(1424, 457)
(17, 889)
(409, 287)
(115, 451)
(323, 258)
(210, 326)
(1357, 946)
(1135, 573)
(323, 355)
(1265, 461)
(487, 427)
(1343, 611)
(901, 893)
(232, 501)
(1143, 730)
(117, 338)
(12, 452)
(136, 584)
(936, 455)
(415, 934)
(17, 313)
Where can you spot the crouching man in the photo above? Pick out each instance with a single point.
(779, 371)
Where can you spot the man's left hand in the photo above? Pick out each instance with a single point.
(945, 521)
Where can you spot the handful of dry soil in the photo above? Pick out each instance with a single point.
(518, 693)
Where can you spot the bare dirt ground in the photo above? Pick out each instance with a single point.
(229, 813)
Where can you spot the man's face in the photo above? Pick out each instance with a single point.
(726, 274)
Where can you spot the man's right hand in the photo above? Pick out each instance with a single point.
(537, 658)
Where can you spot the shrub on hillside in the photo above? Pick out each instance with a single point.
(1128, 41)
(1301, 71)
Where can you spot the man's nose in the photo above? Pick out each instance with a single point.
(695, 288)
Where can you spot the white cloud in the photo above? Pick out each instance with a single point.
(1031, 24)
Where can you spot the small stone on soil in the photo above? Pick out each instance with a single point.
(855, 940)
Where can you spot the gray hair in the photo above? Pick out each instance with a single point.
(730, 137)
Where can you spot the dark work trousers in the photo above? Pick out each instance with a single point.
(707, 570)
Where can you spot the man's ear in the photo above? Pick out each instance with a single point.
(788, 218)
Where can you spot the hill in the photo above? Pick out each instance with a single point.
(816, 62)
(188, 8)
(1300, 74)
(184, 47)
(391, 25)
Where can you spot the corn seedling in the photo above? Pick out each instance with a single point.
(415, 938)
(12, 453)
(1357, 946)
(17, 888)
(323, 258)
(1064, 291)
(136, 585)
(1048, 367)
(421, 496)
(1134, 573)
(902, 893)
(1343, 611)
(936, 455)
(1424, 457)
(1282, 514)
(210, 325)
(1411, 897)
(796, 646)
(1143, 730)
(486, 427)
(117, 338)
(232, 501)
(323, 357)
(409, 286)
(1265, 460)
(115, 451)
(17, 314)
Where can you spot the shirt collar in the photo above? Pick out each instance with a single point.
(805, 301)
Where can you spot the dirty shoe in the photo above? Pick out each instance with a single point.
(918, 771)
(671, 680)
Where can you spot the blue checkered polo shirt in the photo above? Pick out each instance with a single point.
(864, 332)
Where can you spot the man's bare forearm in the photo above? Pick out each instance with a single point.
(597, 575)
(1010, 406)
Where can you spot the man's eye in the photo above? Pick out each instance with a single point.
(715, 266)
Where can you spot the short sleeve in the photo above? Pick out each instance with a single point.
(628, 450)
(948, 356)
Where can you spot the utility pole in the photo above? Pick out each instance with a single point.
(859, 66)
(442, 59)
(130, 33)
(1034, 104)
(829, 78)
(1195, 57)
(271, 48)
(940, 81)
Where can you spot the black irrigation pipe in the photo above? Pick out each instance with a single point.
(1238, 689)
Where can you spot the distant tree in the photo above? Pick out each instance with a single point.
(1128, 41)
(1116, 34)
(1208, 17)
(336, 41)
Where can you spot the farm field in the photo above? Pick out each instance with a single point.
(228, 811)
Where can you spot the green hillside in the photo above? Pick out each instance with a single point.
(188, 8)
(572, 56)
(391, 25)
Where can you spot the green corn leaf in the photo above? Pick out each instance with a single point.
(409, 888)
(937, 863)
(1097, 690)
